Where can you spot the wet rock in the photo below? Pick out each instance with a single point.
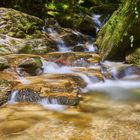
(120, 70)
(24, 95)
(82, 23)
(10, 45)
(116, 37)
(128, 71)
(32, 66)
(133, 57)
(5, 87)
(71, 58)
(72, 38)
(79, 48)
(22, 33)
(20, 25)
(50, 89)
(94, 74)
(3, 63)
(87, 26)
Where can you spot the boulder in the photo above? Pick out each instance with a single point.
(5, 87)
(121, 33)
(3, 63)
(133, 57)
(22, 33)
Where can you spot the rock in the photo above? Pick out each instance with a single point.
(119, 34)
(120, 70)
(32, 66)
(87, 26)
(51, 89)
(72, 38)
(10, 45)
(3, 63)
(133, 57)
(20, 25)
(73, 58)
(128, 71)
(5, 87)
(79, 48)
(22, 33)
(82, 23)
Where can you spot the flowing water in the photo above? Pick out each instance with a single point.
(109, 106)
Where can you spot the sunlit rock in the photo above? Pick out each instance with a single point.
(70, 58)
(5, 87)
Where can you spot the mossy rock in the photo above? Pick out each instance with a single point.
(5, 87)
(121, 32)
(3, 63)
(82, 23)
(134, 57)
(17, 24)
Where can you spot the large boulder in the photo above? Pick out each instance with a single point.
(17, 24)
(22, 33)
(121, 33)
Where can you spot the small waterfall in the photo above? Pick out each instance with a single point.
(24, 80)
(91, 47)
(52, 105)
(51, 67)
(116, 89)
(60, 43)
(96, 19)
(13, 97)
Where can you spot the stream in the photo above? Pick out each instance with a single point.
(73, 96)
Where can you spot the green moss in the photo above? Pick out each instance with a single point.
(134, 57)
(113, 38)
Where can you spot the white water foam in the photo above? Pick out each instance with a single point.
(60, 43)
(53, 105)
(96, 19)
(13, 97)
(117, 89)
(24, 80)
(53, 68)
